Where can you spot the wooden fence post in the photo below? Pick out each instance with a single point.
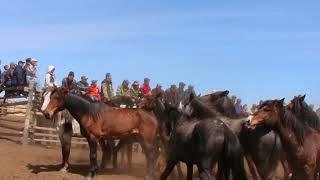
(25, 138)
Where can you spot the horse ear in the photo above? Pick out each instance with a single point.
(226, 93)
(302, 98)
(281, 101)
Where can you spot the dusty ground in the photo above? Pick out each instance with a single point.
(37, 162)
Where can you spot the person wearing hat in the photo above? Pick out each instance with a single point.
(157, 91)
(50, 83)
(32, 74)
(83, 85)
(145, 88)
(69, 82)
(123, 89)
(135, 92)
(94, 92)
(107, 89)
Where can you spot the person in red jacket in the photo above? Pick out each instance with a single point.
(145, 88)
(94, 92)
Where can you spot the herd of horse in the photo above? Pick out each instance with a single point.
(206, 131)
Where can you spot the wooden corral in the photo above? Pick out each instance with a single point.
(22, 122)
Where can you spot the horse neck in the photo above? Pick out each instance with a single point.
(289, 138)
(78, 107)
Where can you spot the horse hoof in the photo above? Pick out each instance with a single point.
(90, 176)
(64, 170)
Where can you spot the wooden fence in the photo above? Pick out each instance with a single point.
(21, 121)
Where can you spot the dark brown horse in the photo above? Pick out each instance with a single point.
(301, 143)
(100, 122)
(198, 137)
(304, 112)
(262, 147)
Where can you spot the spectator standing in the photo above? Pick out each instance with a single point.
(32, 74)
(50, 83)
(145, 88)
(181, 96)
(171, 95)
(94, 92)
(239, 107)
(107, 89)
(4, 75)
(83, 85)
(19, 74)
(234, 99)
(69, 82)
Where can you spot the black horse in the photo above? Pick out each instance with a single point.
(262, 147)
(199, 138)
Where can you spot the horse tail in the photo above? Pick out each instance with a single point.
(234, 156)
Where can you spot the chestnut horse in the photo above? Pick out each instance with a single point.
(301, 142)
(99, 122)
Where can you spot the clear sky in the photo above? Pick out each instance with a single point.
(255, 49)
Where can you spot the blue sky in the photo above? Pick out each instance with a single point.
(255, 49)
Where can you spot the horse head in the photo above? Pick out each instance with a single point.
(269, 114)
(297, 105)
(55, 103)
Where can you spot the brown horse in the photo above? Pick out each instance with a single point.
(100, 122)
(301, 143)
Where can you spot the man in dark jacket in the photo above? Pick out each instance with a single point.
(69, 82)
(19, 74)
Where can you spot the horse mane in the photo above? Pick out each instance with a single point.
(224, 106)
(201, 111)
(307, 115)
(83, 105)
(299, 128)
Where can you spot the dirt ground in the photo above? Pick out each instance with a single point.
(40, 163)
(37, 162)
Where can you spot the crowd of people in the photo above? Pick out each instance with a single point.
(19, 74)
(24, 73)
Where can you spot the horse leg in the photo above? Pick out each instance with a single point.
(65, 136)
(204, 169)
(116, 149)
(223, 170)
(179, 169)
(252, 168)
(93, 158)
(189, 171)
(105, 154)
(149, 151)
(169, 168)
(286, 168)
(129, 154)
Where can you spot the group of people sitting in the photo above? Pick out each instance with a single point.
(19, 75)
(106, 94)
